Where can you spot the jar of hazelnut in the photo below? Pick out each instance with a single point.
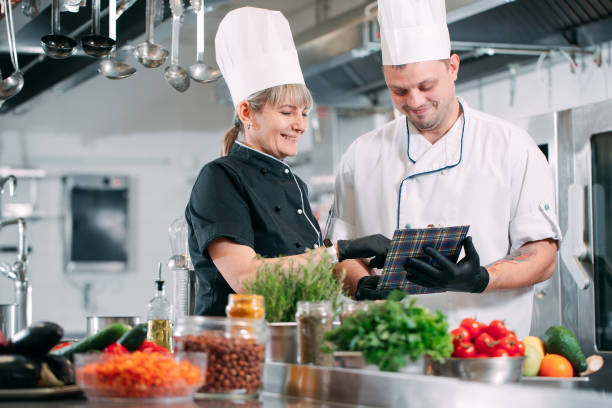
(235, 348)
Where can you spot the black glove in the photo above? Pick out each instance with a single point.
(465, 276)
(376, 246)
(366, 289)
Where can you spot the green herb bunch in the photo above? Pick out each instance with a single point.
(284, 283)
(391, 332)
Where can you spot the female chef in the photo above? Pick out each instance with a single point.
(249, 201)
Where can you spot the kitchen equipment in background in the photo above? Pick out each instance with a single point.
(11, 85)
(110, 67)
(180, 264)
(282, 342)
(95, 44)
(97, 323)
(159, 315)
(176, 76)
(56, 45)
(199, 71)
(149, 54)
(7, 320)
(96, 223)
(495, 370)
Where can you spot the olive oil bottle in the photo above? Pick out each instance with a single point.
(159, 315)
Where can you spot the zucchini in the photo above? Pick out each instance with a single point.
(35, 340)
(98, 341)
(133, 339)
(18, 372)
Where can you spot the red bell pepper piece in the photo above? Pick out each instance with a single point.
(152, 347)
(116, 348)
(61, 345)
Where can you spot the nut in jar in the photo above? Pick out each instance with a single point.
(235, 348)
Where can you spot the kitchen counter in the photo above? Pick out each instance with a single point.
(289, 385)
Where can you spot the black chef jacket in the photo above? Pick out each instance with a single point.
(252, 199)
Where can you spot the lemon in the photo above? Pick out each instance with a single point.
(533, 360)
(535, 342)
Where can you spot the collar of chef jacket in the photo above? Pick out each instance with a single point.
(259, 159)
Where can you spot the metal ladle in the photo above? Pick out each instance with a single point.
(110, 67)
(148, 53)
(55, 45)
(176, 76)
(199, 71)
(10, 86)
(95, 44)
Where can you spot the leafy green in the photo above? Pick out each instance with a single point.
(284, 283)
(391, 332)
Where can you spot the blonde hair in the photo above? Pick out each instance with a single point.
(296, 94)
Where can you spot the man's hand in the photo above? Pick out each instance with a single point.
(465, 276)
(376, 246)
(366, 289)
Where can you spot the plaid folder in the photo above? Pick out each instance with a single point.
(409, 243)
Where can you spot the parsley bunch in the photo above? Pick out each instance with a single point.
(284, 283)
(391, 332)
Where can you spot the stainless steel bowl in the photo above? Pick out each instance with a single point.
(97, 323)
(495, 370)
(282, 343)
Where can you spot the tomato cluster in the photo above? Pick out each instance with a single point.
(474, 339)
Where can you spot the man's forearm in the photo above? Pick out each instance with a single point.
(532, 263)
(355, 269)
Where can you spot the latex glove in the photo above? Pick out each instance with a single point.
(465, 276)
(376, 246)
(366, 289)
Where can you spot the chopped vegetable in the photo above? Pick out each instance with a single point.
(152, 347)
(116, 348)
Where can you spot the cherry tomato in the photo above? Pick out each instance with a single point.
(61, 345)
(507, 343)
(497, 329)
(500, 352)
(472, 326)
(480, 355)
(465, 350)
(3, 342)
(460, 334)
(116, 348)
(520, 349)
(485, 344)
(512, 334)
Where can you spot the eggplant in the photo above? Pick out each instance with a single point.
(36, 340)
(61, 368)
(18, 372)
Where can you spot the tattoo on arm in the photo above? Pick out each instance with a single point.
(523, 254)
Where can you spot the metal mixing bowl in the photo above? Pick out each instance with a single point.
(495, 370)
(97, 323)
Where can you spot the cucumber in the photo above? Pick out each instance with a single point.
(97, 341)
(35, 340)
(133, 339)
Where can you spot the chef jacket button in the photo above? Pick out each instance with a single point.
(277, 208)
(297, 245)
(299, 211)
(263, 171)
(286, 171)
(546, 207)
(316, 246)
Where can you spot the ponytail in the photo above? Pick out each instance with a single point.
(229, 138)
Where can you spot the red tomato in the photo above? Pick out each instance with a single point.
(62, 345)
(472, 326)
(480, 355)
(500, 352)
(520, 348)
(497, 329)
(465, 350)
(507, 343)
(3, 342)
(460, 334)
(512, 334)
(116, 348)
(485, 344)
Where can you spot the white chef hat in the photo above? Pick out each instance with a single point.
(255, 51)
(413, 31)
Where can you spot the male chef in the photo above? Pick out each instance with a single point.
(443, 163)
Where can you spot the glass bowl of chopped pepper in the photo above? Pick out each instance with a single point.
(141, 376)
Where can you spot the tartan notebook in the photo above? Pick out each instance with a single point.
(409, 243)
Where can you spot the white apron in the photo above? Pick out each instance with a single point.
(485, 173)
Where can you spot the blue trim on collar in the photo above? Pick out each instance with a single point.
(399, 197)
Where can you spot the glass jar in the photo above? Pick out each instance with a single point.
(350, 307)
(314, 319)
(247, 306)
(235, 348)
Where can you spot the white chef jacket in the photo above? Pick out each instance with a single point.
(485, 172)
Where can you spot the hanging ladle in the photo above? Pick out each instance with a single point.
(148, 53)
(56, 45)
(95, 44)
(11, 85)
(199, 71)
(110, 67)
(176, 76)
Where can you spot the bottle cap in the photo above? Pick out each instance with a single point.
(159, 282)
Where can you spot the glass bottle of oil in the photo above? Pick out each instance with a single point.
(159, 315)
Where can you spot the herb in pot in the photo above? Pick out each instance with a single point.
(391, 332)
(284, 283)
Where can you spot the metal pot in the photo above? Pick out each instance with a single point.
(282, 343)
(7, 319)
(97, 323)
